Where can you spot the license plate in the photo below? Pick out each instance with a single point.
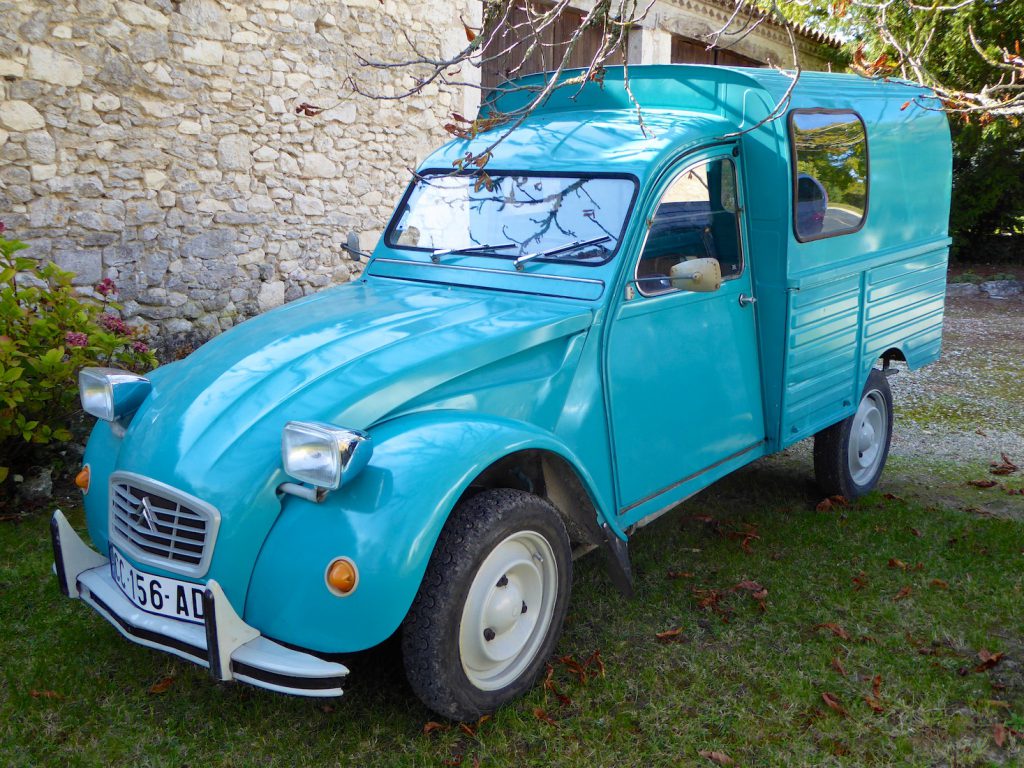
(161, 595)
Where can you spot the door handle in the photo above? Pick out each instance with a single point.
(745, 300)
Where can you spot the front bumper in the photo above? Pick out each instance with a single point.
(227, 646)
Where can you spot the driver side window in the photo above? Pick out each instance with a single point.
(695, 219)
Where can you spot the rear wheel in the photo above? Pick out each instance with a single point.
(491, 606)
(849, 456)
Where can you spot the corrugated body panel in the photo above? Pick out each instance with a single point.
(836, 331)
(821, 354)
(904, 305)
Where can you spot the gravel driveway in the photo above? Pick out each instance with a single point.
(969, 406)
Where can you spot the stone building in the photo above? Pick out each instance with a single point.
(156, 142)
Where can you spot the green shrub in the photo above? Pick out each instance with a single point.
(47, 333)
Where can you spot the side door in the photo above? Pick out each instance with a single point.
(682, 367)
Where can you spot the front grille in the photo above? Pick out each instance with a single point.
(158, 525)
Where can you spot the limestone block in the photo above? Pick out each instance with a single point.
(50, 66)
(157, 109)
(142, 15)
(86, 264)
(20, 116)
(143, 212)
(265, 154)
(43, 172)
(309, 206)
(11, 68)
(204, 17)
(189, 127)
(317, 165)
(213, 244)
(261, 204)
(40, 147)
(106, 102)
(234, 152)
(154, 179)
(208, 52)
(271, 295)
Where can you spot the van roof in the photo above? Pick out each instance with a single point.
(597, 128)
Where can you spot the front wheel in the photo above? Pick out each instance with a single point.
(849, 456)
(491, 606)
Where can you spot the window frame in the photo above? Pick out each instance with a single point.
(396, 214)
(794, 175)
(740, 240)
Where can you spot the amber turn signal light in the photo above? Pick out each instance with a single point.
(342, 576)
(82, 479)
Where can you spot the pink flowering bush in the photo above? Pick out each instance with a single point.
(47, 333)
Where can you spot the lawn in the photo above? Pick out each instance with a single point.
(890, 631)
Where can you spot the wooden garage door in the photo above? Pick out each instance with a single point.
(688, 51)
(545, 56)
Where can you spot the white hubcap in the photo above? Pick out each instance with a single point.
(508, 610)
(867, 437)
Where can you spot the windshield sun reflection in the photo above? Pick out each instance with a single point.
(517, 215)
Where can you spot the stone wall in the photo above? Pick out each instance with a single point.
(156, 143)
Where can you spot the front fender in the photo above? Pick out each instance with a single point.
(387, 521)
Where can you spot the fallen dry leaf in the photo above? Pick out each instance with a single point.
(915, 532)
(750, 586)
(679, 575)
(940, 583)
(983, 483)
(595, 659)
(719, 758)
(161, 685)
(540, 714)
(999, 734)
(859, 581)
(430, 727)
(903, 594)
(45, 694)
(1004, 467)
(897, 564)
(835, 629)
(876, 686)
(837, 665)
(670, 636)
(874, 703)
(988, 660)
(834, 703)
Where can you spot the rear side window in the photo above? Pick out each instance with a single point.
(830, 166)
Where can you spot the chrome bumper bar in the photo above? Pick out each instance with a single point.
(226, 645)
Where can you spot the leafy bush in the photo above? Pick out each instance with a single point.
(47, 333)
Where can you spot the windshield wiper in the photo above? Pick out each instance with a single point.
(518, 263)
(436, 255)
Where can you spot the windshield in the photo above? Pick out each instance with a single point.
(517, 215)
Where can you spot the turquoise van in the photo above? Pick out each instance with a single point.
(534, 364)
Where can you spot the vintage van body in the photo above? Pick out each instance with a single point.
(527, 394)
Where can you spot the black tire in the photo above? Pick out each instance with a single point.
(432, 636)
(833, 446)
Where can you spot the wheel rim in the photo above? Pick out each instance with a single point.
(867, 438)
(508, 610)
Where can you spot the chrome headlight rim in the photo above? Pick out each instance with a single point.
(111, 394)
(323, 455)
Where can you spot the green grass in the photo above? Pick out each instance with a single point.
(739, 680)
